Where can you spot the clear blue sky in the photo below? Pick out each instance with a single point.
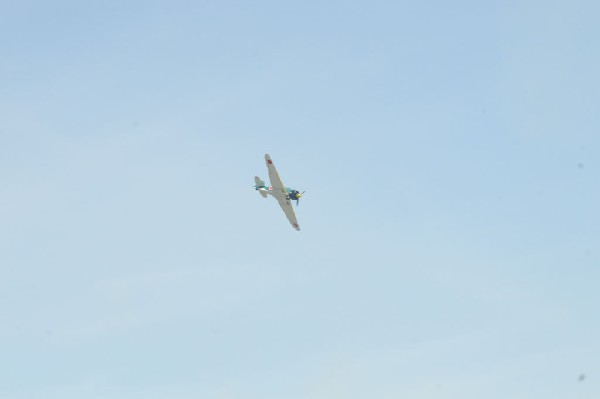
(450, 243)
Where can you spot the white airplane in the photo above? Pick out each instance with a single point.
(283, 194)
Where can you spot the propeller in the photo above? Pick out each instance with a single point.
(298, 195)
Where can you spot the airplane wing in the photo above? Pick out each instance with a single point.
(280, 193)
(276, 182)
(288, 209)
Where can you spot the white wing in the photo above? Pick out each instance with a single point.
(276, 182)
(288, 209)
(280, 193)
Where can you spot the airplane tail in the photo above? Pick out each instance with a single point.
(260, 186)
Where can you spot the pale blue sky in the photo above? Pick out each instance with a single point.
(451, 232)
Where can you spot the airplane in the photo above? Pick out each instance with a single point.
(283, 194)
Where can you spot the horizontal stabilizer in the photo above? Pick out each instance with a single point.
(259, 182)
(260, 186)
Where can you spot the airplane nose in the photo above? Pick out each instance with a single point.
(298, 195)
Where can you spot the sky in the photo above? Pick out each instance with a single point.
(450, 243)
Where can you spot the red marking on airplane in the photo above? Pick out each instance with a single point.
(270, 162)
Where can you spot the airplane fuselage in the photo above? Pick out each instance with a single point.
(291, 194)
